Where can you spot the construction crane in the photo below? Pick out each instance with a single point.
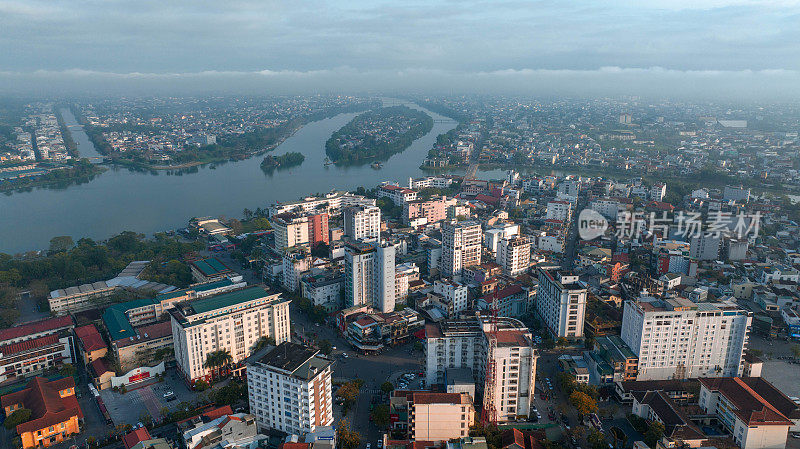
(489, 413)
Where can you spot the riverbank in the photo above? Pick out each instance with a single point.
(150, 201)
(56, 177)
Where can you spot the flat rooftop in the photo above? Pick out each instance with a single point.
(299, 360)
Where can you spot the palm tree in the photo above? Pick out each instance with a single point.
(262, 343)
(218, 359)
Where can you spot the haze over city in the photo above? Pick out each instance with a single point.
(674, 48)
(399, 224)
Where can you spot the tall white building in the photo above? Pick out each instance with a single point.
(362, 223)
(370, 275)
(514, 255)
(561, 303)
(569, 190)
(492, 237)
(289, 230)
(473, 344)
(559, 210)
(289, 389)
(231, 321)
(296, 261)
(676, 338)
(461, 247)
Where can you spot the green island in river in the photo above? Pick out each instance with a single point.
(377, 134)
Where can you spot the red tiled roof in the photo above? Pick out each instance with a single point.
(132, 438)
(50, 324)
(212, 414)
(504, 293)
(90, 338)
(28, 345)
(748, 397)
(47, 407)
(100, 366)
(436, 398)
(486, 198)
(152, 332)
(294, 446)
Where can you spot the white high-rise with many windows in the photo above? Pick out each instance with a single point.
(676, 338)
(461, 247)
(472, 343)
(289, 389)
(514, 255)
(370, 275)
(561, 303)
(231, 322)
(362, 222)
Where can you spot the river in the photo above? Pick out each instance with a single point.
(120, 199)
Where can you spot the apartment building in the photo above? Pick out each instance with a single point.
(514, 255)
(370, 275)
(561, 303)
(398, 195)
(404, 274)
(757, 415)
(559, 210)
(492, 237)
(318, 231)
(362, 223)
(289, 389)
(472, 343)
(676, 338)
(433, 416)
(231, 321)
(422, 212)
(453, 294)
(289, 230)
(224, 431)
(296, 262)
(461, 247)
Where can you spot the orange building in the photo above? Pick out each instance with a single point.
(55, 413)
(90, 343)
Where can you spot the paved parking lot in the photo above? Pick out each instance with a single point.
(780, 373)
(148, 400)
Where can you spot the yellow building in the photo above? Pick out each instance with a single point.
(55, 413)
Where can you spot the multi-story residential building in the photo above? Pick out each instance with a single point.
(705, 247)
(569, 190)
(736, 193)
(370, 275)
(657, 191)
(398, 195)
(318, 231)
(422, 212)
(507, 351)
(289, 389)
(452, 296)
(437, 182)
(362, 223)
(231, 321)
(461, 247)
(324, 289)
(514, 255)
(493, 237)
(290, 230)
(90, 343)
(559, 210)
(404, 273)
(433, 416)
(757, 415)
(296, 262)
(609, 208)
(612, 360)
(561, 303)
(676, 338)
(510, 301)
(55, 413)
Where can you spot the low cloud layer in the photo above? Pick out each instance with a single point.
(749, 46)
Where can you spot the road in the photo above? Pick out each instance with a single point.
(572, 233)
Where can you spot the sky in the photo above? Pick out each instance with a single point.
(693, 47)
